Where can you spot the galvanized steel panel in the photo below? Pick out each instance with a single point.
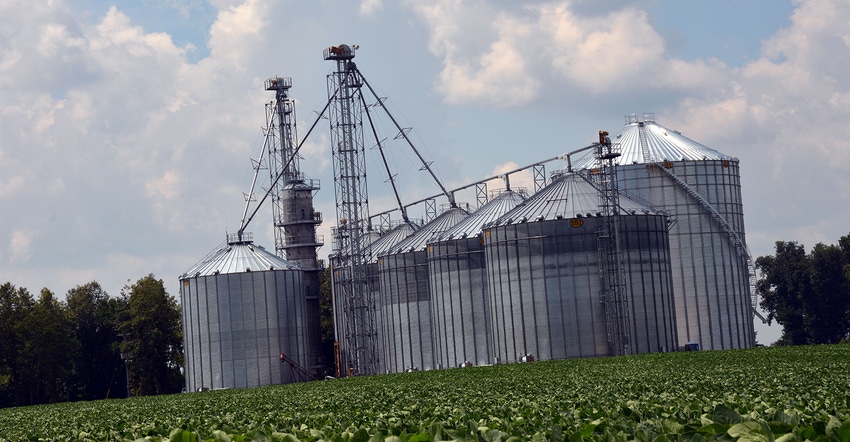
(662, 144)
(458, 282)
(544, 282)
(570, 195)
(237, 324)
(430, 231)
(381, 246)
(460, 302)
(406, 312)
(238, 257)
(710, 275)
(493, 210)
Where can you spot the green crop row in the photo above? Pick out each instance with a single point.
(765, 394)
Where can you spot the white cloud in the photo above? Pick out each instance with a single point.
(483, 51)
(101, 124)
(601, 53)
(20, 246)
(8, 186)
(518, 180)
(314, 149)
(237, 27)
(516, 56)
(794, 98)
(165, 187)
(370, 7)
(785, 114)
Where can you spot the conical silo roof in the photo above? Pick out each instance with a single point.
(370, 236)
(569, 196)
(237, 256)
(429, 232)
(661, 144)
(394, 236)
(495, 208)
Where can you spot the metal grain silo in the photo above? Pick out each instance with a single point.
(458, 280)
(405, 300)
(242, 308)
(544, 275)
(376, 244)
(377, 248)
(701, 189)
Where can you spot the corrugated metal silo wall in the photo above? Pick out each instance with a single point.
(542, 269)
(649, 279)
(237, 325)
(340, 319)
(459, 302)
(710, 276)
(406, 311)
(544, 281)
(373, 275)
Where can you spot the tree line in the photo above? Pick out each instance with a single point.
(807, 293)
(89, 345)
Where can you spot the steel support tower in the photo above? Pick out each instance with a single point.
(614, 296)
(295, 219)
(358, 336)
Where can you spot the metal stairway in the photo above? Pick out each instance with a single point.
(737, 242)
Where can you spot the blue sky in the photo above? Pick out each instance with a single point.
(127, 129)
(729, 30)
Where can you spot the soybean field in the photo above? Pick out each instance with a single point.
(763, 394)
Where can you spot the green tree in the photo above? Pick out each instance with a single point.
(97, 367)
(15, 305)
(783, 284)
(326, 321)
(827, 307)
(47, 348)
(153, 340)
(844, 244)
(808, 294)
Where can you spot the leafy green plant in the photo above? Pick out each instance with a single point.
(766, 394)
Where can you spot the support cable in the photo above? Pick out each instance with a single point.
(403, 134)
(257, 169)
(245, 222)
(391, 177)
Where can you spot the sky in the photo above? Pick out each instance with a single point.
(127, 129)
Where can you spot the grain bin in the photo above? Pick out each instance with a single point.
(701, 189)
(543, 265)
(458, 280)
(375, 244)
(242, 308)
(405, 297)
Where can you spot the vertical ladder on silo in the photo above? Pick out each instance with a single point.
(737, 242)
(614, 293)
(644, 145)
